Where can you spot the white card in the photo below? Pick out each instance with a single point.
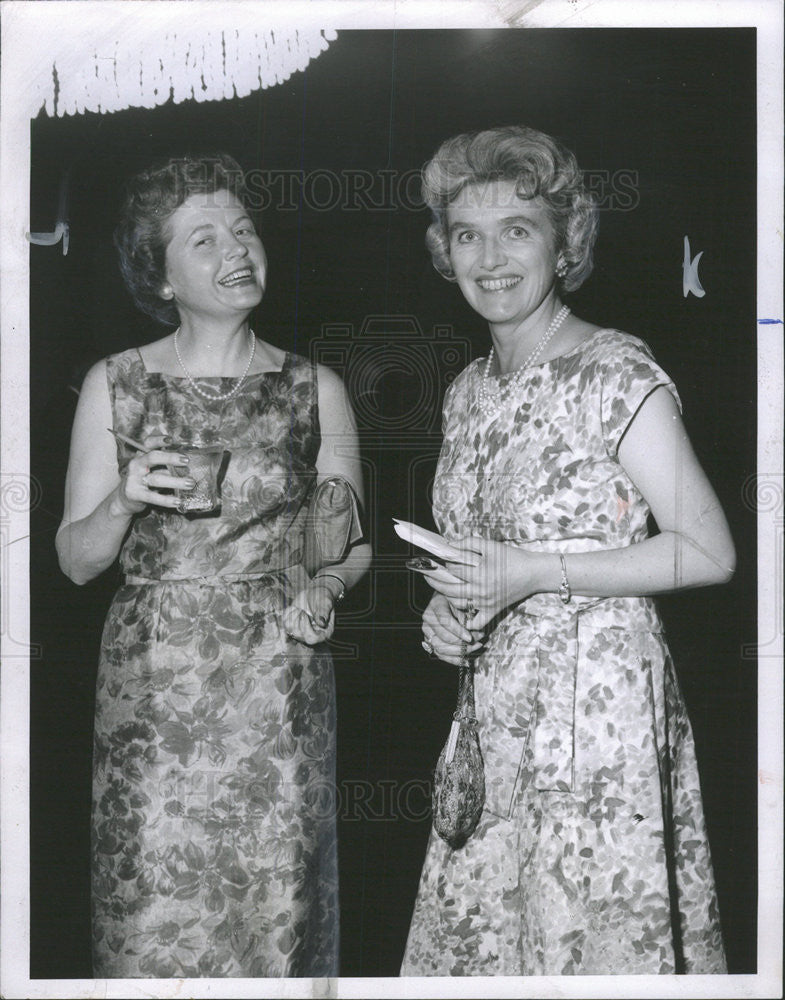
(430, 541)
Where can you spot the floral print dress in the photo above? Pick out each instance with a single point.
(213, 833)
(591, 855)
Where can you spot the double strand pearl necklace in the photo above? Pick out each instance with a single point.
(491, 403)
(216, 397)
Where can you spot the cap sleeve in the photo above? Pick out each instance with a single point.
(629, 375)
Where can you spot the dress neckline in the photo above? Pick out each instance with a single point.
(559, 357)
(212, 378)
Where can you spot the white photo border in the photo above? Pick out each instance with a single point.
(32, 27)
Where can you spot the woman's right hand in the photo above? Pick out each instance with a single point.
(444, 631)
(146, 474)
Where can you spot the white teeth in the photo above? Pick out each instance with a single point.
(497, 284)
(236, 276)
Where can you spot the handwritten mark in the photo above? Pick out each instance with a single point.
(779, 321)
(690, 279)
(62, 230)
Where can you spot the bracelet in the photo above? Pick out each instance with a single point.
(564, 587)
(321, 576)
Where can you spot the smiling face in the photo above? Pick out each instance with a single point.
(503, 252)
(215, 262)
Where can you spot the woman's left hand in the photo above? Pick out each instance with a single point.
(497, 577)
(310, 618)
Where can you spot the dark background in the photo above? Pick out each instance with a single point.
(674, 110)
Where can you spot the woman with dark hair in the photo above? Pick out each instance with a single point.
(214, 845)
(591, 854)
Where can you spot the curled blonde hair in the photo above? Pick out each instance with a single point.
(539, 166)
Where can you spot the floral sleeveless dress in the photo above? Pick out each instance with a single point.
(213, 833)
(591, 855)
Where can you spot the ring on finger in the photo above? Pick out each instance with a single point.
(427, 647)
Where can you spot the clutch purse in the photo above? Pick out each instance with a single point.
(332, 524)
(459, 778)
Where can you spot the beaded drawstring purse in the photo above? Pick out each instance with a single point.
(459, 779)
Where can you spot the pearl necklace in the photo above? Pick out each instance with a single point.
(216, 397)
(490, 404)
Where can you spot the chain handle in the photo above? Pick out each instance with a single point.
(464, 712)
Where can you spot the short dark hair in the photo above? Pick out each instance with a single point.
(152, 197)
(539, 166)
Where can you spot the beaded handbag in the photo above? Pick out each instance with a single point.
(459, 779)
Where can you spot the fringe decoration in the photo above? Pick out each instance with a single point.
(143, 68)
